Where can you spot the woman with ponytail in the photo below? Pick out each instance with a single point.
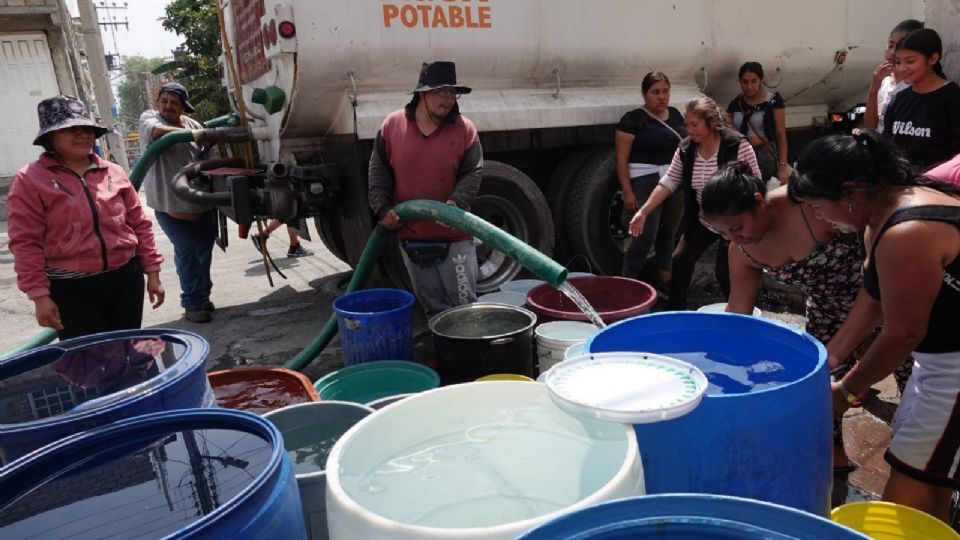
(924, 119)
(911, 282)
(709, 145)
(770, 233)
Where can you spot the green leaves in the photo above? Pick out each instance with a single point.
(132, 92)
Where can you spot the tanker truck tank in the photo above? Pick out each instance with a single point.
(551, 78)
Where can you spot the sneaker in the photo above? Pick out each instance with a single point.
(208, 306)
(197, 315)
(298, 251)
(257, 242)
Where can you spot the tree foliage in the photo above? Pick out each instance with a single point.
(131, 92)
(196, 62)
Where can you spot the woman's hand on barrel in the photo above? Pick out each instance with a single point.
(840, 404)
(636, 224)
(48, 314)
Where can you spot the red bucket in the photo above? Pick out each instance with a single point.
(260, 390)
(615, 298)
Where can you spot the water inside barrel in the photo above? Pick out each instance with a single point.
(149, 492)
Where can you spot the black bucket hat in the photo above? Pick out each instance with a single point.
(439, 74)
(62, 112)
(180, 91)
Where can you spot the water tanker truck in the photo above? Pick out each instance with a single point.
(551, 79)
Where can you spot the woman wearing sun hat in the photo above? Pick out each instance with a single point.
(80, 240)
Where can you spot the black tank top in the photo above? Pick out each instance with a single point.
(943, 330)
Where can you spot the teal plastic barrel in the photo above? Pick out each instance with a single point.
(363, 383)
(375, 324)
(763, 429)
(193, 473)
(309, 432)
(690, 517)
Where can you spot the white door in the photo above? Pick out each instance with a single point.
(26, 77)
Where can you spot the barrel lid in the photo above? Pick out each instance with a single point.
(628, 387)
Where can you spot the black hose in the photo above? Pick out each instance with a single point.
(188, 193)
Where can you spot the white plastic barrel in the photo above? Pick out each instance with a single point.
(721, 307)
(554, 338)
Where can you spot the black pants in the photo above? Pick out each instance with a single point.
(101, 303)
(696, 239)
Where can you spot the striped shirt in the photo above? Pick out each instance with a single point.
(703, 169)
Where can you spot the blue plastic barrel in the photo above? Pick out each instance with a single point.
(200, 473)
(690, 517)
(57, 390)
(375, 324)
(771, 442)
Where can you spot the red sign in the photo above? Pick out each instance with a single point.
(251, 60)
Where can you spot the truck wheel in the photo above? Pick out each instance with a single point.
(558, 193)
(330, 233)
(593, 217)
(512, 201)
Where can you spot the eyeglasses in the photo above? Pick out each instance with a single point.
(447, 92)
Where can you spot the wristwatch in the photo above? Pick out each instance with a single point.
(847, 395)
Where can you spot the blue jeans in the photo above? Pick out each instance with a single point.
(192, 252)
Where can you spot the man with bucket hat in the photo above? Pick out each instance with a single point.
(192, 228)
(80, 240)
(428, 150)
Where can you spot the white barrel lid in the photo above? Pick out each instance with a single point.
(627, 387)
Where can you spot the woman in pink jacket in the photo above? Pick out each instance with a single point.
(80, 239)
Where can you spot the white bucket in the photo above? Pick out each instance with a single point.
(576, 350)
(510, 298)
(554, 338)
(521, 285)
(721, 307)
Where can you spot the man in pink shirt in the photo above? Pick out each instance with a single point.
(428, 150)
(948, 171)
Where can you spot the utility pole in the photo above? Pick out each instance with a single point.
(112, 22)
(90, 28)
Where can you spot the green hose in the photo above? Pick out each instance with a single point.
(542, 266)
(369, 257)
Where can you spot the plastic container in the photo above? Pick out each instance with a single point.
(522, 286)
(510, 298)
(472, 450)
(721, 307)
(363, 383)
(614, 298)
(691, 517)
(309, 431)
(378, 404)
(767, 438)
(375, 324)
(882, 520)
(554, 338)
(260, 390)
(505, 377)
(201, 473)
(574, 351)
(57, 390)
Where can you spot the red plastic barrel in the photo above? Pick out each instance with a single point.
(615, 298)
(261, 390)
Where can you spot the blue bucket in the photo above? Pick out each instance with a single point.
(690, 517)
(57, 390)
(375, 324)
(772, 444)
(201, 473)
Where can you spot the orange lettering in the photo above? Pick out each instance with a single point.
(484, 14)
(408, 16)
(425, 15)
(390, 12)
(439, 18)
(470, 21)
(456, 17)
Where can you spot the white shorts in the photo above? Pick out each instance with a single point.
(926, 427)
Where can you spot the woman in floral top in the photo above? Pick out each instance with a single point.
(769, 233)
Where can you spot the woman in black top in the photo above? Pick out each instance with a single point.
(911, 281)
(924, 119)
(761, 117)
(645, 141)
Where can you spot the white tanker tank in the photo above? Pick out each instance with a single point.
(550, 77)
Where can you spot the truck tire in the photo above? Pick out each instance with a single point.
(558, 193)
(593, 215)
(329, 230)
(512, 201)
